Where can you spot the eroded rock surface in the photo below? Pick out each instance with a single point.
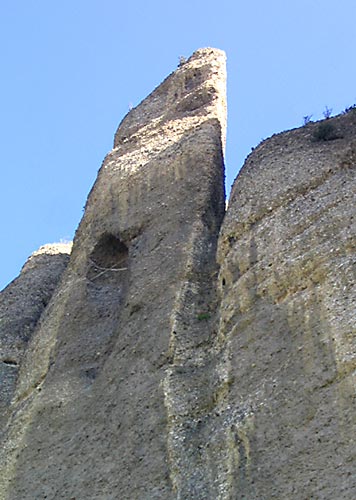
(97, 413)
(287, 254)
(22, 303)
(176, 363)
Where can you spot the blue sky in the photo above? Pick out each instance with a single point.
(71, 69)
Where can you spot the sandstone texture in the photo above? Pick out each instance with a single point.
(95, 406)
(184, 353)
(287, 280)
(21, 304)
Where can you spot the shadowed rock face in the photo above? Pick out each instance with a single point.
(174, 362)
(94, 413)
(21, 304)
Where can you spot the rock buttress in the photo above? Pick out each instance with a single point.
(287, 325)
(22, 303)
(97, 411)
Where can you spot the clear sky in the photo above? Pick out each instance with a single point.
(71, 69)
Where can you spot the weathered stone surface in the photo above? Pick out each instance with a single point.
(175, 364)
(97, 411)
(21, 304)
(287, 254)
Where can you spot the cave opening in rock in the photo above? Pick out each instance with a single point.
(108, 260)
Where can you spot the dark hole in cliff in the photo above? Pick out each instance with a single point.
(9, 362)
(107, 272)
(109, 253)
(108, 261)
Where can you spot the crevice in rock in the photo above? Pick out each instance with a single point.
(10, 362)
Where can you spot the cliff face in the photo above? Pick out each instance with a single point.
(287, 280)
(21, 306)
(176, 363)
(94, 414)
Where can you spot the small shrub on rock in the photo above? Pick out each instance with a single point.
(349, 108)
(307, 119)
(325, 132)
(203, 316)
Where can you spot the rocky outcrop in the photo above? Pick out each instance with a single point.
(95, 409)
(184, 356)
(22, 303)
(287, 280)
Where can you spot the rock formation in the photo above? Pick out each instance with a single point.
(21, 306)
(183, 356)
(94, 410)
(287, 280)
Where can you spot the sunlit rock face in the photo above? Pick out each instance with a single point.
(287, 281)
(96, 405)
(183, 353)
